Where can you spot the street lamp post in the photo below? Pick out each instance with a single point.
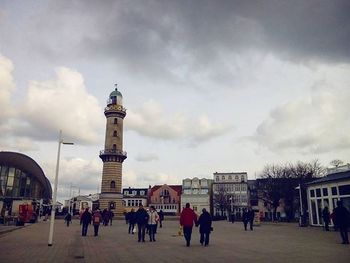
(53, 209)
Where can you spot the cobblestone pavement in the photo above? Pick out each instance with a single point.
(229, 243)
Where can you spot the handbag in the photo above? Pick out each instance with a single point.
(134, 229)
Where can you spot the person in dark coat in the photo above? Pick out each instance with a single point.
(326, 218)
(111, 215)
(141, 220)
(204, 223)
(85, 220)
(187, 218)
(105, 217)
(341, 216)
(132, 220)
(251, 216)
(245, 218)
(96, 220)
(68, 218)
(161, 218)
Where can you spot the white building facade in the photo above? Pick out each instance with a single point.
(230, 193)
(325, 192)
(197, 192)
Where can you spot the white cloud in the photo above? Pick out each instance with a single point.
(82, 174)
(7, 86)
(146, 157)
(316, 123)
(150, 121)
(62, 103)
(133, 179)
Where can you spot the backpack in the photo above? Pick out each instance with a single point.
(96, 219)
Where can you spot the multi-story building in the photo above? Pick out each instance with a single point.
(166, 198)
(197, 192)
(230, 193)
(133, 197)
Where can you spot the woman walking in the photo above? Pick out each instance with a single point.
(152, 223)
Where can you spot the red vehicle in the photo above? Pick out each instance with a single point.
(26, 214)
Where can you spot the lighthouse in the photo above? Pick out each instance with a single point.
(113, 154)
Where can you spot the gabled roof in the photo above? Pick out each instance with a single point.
(177, 188)
(332, 177)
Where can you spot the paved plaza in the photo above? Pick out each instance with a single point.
(229, 243)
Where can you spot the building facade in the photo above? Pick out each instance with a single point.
(22, 181)
(325, 192)
(166, 198)
(113, 155)
(197, 192)
(133, 197)
(230, 193)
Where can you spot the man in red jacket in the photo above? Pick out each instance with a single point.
(187, 219)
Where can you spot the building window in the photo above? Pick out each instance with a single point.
(112, 184)
(230, 177)
(125, 192)
(318, 192)
(223, 177)
(334, 191)
(134, 192)
(344, 189)
(114, 146)
(142, 192)
(115, 120)
(325, 191)
(217, 178)
(115, 134)
(312, 193)
(236, 178)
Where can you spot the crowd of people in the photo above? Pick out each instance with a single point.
(145, 222)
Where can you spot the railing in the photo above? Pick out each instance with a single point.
(115, 107)
(113, 151)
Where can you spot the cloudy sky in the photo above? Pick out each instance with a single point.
(208, 85)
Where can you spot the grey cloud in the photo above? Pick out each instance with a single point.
(154, 39)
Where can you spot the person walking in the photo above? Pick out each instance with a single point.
(132, 221)
(96, 220)
(153, 219)
(326, 218)
(141, 220)
(341, 216)
(68, 218)
(245, 218)
(161, 218)
(204, 223)
(251, 216)
(111, 215)
(187, 218)
(85, 220)
(105, 217)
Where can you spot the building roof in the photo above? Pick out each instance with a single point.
(332, 177)
(28, 165)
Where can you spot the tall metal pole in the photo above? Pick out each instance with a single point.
(52, 221)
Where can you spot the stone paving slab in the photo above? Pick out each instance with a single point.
(229, 243)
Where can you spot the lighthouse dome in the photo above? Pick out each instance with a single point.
(115, 97)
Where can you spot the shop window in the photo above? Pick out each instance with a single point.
(325, 191)
(344, 189)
